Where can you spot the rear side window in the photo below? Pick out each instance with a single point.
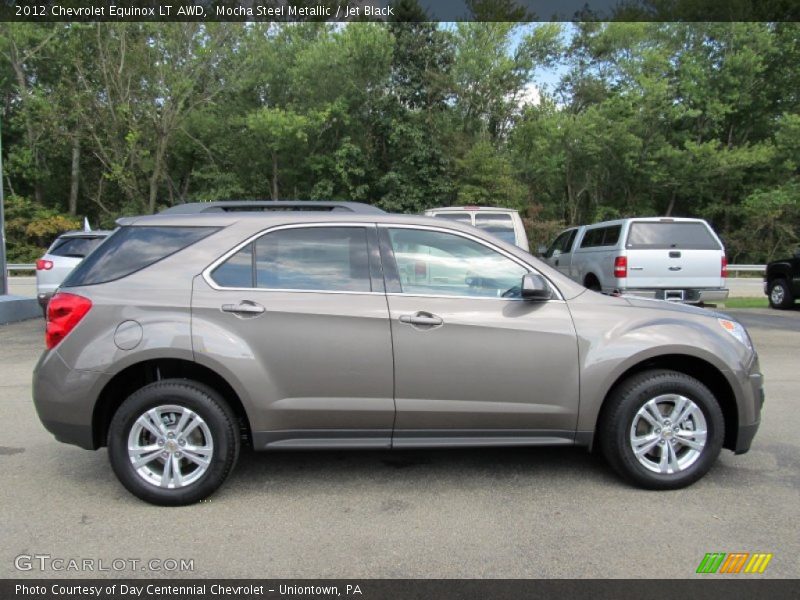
(305, 258)
(130, 249)
(601, 236)
(664, 235)
(75, 247)
(499, 225)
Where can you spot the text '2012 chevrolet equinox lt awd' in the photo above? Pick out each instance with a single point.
(184, 336)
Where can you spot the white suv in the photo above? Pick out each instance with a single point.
(681, 260)
(503, 223)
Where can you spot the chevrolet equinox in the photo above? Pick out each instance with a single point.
(184, 336)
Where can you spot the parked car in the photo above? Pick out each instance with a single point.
(63, 255)
(183, 337)
(680, 260)
(502, 223)
(782, 281)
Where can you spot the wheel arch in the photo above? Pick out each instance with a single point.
(702, 370)
(139, 374)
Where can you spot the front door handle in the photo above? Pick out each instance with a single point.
(422, 319)
(675, 268)
(244, 308)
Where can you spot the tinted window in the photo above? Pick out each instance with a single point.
(500, 226)
(130, 249)
(563, 243)
(601, 236)
(314, 258)
(432, 262)
(237, 271)
(460, 217)
(663, 235)
(75, 247)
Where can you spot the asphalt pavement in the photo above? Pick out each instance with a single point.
(483, 513)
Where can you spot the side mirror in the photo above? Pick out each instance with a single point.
(535, 287)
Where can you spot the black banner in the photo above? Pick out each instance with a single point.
(403, 589)
(399, 10)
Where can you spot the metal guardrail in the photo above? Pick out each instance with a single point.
(746, 268)
(20, 267)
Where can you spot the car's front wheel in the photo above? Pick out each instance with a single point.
(780, 296)
(173, 442)
(662, 429)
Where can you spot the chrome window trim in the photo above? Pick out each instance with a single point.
(530, 268)
(206, 273)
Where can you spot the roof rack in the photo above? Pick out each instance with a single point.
(270, 205)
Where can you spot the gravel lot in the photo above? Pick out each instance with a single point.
(445, 513)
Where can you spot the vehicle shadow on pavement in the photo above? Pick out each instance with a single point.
(344, 468)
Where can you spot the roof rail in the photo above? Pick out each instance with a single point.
(269, 205)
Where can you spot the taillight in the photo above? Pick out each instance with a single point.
(64, 311)
(621, 266)
(724, 270)
(44, 265)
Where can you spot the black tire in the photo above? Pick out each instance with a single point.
(618, 417)
(191, 395)
(782, 297)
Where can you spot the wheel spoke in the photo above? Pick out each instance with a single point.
(166, 475)
(677, 411)
(152, 423)
(669, 460)
(651, 414)
(695, 440)
(189, 421)
(143, 455)
(177, 474)
(643, 444)
(200, 455)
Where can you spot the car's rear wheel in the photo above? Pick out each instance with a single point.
(662, 429)
(780, 295)
(173, 442)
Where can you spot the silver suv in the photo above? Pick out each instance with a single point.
(184, 337)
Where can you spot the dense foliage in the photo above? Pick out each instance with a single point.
(102, 120)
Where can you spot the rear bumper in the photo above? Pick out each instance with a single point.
(691, 296)
(65, 398)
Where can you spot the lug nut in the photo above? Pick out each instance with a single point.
(165, 454)
(182, 442)
(170, 435)
(161, 442)
(178, 454)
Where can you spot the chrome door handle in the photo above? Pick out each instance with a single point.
(245, 307)
(422, 318)
(675, 268)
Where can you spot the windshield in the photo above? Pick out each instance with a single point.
(499, 225)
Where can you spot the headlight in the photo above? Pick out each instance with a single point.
(737, 330)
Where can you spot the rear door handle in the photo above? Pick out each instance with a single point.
(422, 318)
(675, 268)
(244, 308)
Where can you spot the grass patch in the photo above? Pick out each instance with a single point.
(745, 303)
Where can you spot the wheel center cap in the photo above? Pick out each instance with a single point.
(666, 432)
(171, 445)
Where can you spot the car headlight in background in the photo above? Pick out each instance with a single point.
(737, 330)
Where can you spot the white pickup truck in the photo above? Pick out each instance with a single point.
(681, 260)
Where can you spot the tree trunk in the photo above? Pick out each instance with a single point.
(155, 178)
(671, 206)
(274, 176)
(74, 176)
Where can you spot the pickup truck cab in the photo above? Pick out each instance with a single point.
(503, 223)
(782, 281)
(676, 259)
